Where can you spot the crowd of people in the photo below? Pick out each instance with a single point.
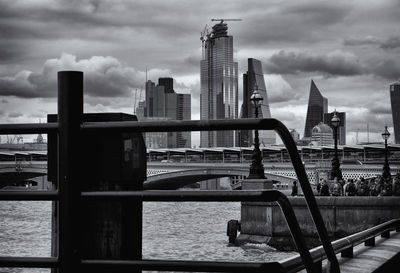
(372, 187)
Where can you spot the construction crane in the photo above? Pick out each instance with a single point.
(203, 34)
(222, 20)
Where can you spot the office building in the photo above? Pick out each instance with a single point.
(254, 78)
(317, 106)
(341, 133)
(322, 135)
(395, 101)
(219, 85)
(162, 103)
(295, 135)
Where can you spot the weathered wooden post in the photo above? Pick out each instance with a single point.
(92, 161)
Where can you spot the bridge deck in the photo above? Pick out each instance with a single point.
(370, 258)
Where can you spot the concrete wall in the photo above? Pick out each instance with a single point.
(264, 222)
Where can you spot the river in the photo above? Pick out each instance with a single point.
(183, 231)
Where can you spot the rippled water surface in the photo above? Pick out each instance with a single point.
(170, 231)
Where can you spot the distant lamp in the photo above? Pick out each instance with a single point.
(256, 167)
(386, 134)
(335, 121)
(386, 169)
(256, 99)
(335, 171)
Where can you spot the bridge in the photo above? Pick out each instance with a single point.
(283, 173)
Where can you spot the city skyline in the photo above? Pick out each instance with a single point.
(350, 49)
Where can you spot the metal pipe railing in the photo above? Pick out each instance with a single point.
(211, 125)
(220, 196)
(294, 264)
(28, 195)
(29, 262)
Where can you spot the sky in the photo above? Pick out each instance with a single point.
(349, 48)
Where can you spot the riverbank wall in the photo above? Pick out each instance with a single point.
(264, 222)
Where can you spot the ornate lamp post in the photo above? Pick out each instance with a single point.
(256, 167)
(335, 171)
(386, 169)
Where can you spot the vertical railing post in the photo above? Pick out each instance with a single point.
(70, 115)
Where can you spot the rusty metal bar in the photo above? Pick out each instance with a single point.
(28, 128)
(70, 116)
(29, 195)
(218, 125)
(163, 265)
(221, 196)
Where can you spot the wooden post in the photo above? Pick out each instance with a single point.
(70, 112)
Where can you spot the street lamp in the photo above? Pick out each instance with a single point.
(256, 167)
(335, 171)
(386, 169)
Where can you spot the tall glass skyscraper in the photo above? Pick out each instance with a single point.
(254, 77)
(219, 85)
(395, 101)
(317, 106)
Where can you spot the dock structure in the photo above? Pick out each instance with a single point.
(70, 192)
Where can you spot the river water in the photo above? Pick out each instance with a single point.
(170, 231)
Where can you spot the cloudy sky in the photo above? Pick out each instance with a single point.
(350, 48)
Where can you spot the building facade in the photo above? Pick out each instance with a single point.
(322, 135)
(162, 103)
(254, 78)
(218, 85)
(395, 102)
(341, 133)
(317, 106)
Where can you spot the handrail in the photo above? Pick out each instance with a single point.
(28, 128)
(28, 195)
(294, 263)
(217, 125)
(163, 265)
(29, 262)
(220, 196)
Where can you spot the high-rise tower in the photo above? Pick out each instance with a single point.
(395, 101)
(254, 77)
(219, 85)
(162, 103)
(317, 106)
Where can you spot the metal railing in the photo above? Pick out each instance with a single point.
(68, 195)
(344, 245)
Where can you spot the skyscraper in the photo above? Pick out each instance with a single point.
(219, 85)
(254, 77)
(342, 125)
(162, 103)
(317, 106)
(395, 101)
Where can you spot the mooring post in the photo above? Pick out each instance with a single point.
(70, 113)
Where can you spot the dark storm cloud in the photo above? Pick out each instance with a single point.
(321, 13)
(391, 43)
(387, 69)
(104, 77)
(387, 44)
(290, 22)
(15, 115)
(335, 63)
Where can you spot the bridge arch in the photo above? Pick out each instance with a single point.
(178, 179)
